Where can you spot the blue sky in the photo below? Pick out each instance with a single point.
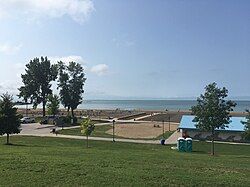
(131, 49)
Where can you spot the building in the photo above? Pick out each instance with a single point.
(231, 133)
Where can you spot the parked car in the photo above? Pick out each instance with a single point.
(27, 120)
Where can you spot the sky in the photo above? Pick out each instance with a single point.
(143, 49)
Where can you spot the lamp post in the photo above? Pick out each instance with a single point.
(163, 129)
(113, 130)
(169, 123)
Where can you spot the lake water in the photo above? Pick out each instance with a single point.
(150, 104)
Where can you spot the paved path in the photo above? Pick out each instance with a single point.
(173, 138)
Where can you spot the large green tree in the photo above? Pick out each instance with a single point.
(9, 118)
(212, 110)
(53, 104)
(246, 134)
(39, 74)
(71, 82)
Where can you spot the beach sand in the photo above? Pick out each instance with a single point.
(142, 130)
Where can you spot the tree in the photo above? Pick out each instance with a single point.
(87, 127)
(53, 104)
(71, 82)
(24, 93)
(213, 111)
(246, 134)
(9, 118)
(39, 74)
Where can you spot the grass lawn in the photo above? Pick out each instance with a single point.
(100, 131)
(34, 161)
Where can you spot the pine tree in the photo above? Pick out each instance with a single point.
(9, 118)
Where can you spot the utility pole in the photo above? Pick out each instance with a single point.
(163, 129)
(168, 123)
(113, 130)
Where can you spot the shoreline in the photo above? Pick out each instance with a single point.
(141, 115)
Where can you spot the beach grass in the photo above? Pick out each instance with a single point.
(34, 161)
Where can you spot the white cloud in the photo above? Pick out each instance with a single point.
(123, 40)
(100, 69)
(67, 59)
(78, 10)
(8, 49)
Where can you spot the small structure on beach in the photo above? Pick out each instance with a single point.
(231, 133)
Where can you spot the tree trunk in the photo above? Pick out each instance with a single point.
(212, 148)
(68, 110)
(87, 141)
(26, 110)
(44, 105)
(72, 113)
(8, 139)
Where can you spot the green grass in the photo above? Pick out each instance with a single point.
(34, 161)
(100, 131)
(79, 120)
(166, 135)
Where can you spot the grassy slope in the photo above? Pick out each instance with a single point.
(100, 131)
(53, 161)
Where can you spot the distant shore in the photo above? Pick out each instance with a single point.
(146, 115)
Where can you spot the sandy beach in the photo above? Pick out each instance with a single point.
(142, 129)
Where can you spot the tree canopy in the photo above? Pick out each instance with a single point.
(9, 118)
(87, 127)
(53, 104)
(71, 82)
(246, 134)
(212, 110)
(39, 74)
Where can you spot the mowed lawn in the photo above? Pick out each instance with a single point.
(34, 161)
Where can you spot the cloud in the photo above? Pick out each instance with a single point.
(123, 40)
(67, 59)
(10, 87)
(100, 69)
(78, 10)
(8, 49)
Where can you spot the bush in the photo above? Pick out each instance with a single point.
(67, 119)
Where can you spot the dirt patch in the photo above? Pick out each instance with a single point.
(141, 130)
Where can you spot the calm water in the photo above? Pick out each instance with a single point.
(150, 104)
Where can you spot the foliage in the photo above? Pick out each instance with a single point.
(53, 104)
(47, 162)
(71, 82)
(87, 127)
(9, 118)
(213, 111)
(246, 134)
(37, 81)
(67, 119)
